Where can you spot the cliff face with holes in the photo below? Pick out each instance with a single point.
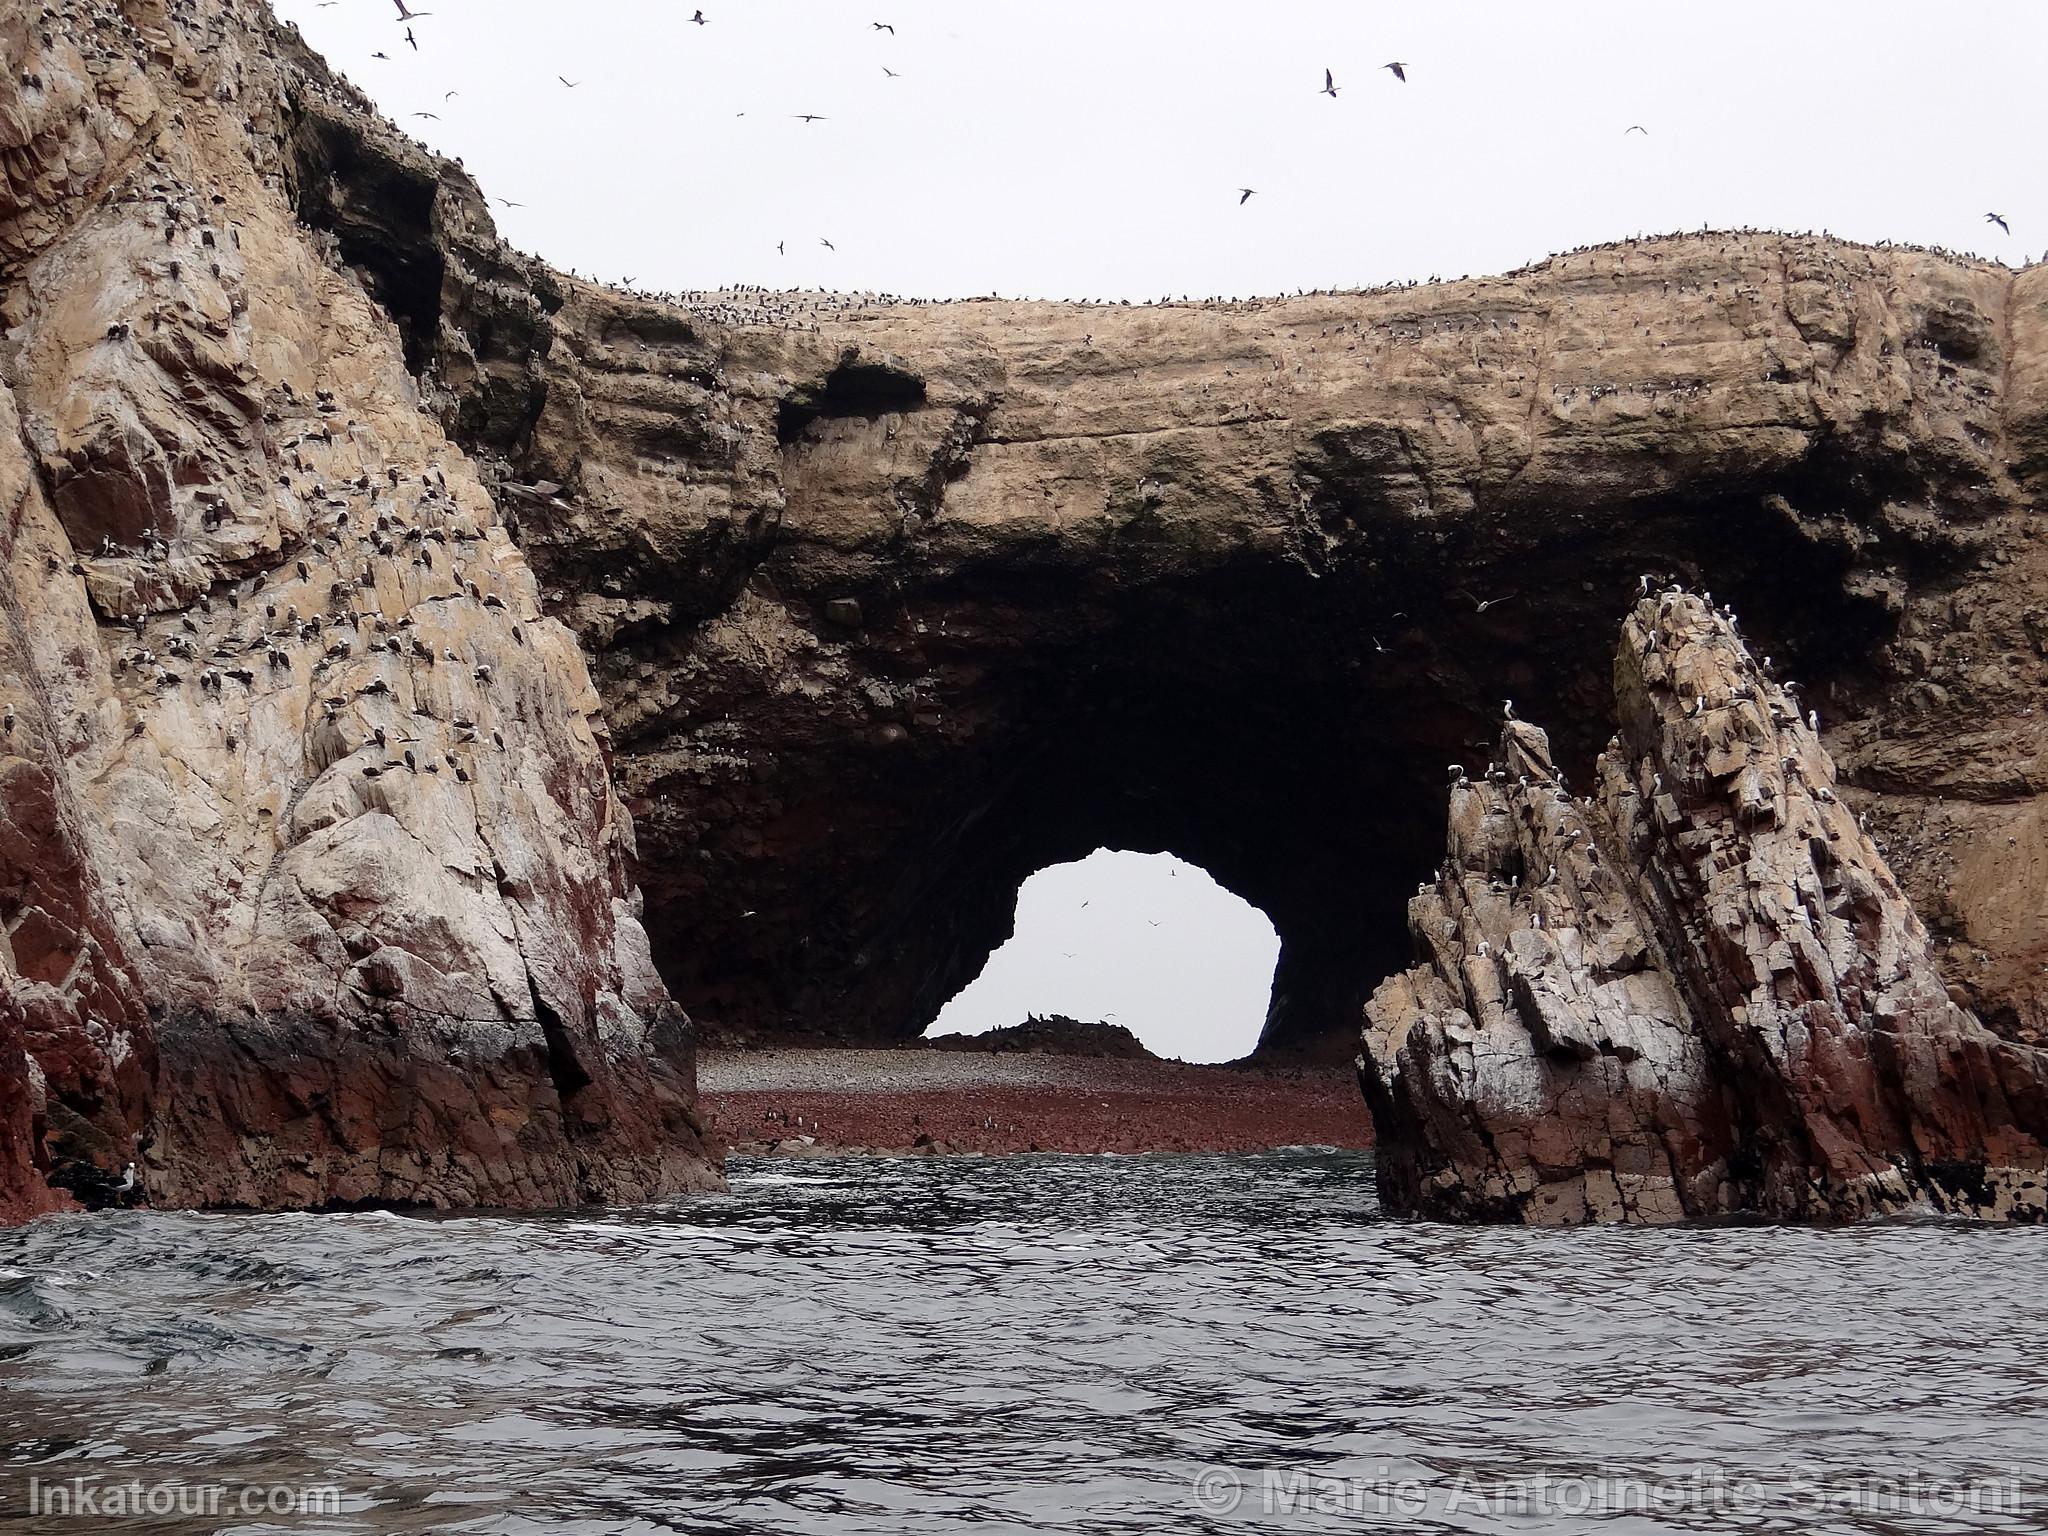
(315, 886)
(374, 595)
(892, 604)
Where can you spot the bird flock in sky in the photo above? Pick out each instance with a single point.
(1396, 68)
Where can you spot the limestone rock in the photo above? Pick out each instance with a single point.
(1697, 992)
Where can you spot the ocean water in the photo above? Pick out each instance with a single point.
(1047, 1343)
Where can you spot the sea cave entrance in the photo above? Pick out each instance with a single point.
(1143, 941)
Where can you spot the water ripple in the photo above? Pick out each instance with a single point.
(1011, 1345)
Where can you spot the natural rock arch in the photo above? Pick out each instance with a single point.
(884, 603)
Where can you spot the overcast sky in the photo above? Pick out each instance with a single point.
(1098, 148)
(1095, 148)
(1136, 939)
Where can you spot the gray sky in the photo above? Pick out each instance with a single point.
(1141, 940)
(1096, 148)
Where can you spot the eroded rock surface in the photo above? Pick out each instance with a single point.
(891, 604)
(1694, 992)
(363, 574)
(315, 885)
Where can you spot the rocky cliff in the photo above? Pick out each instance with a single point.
(1693, 992)
(892, 604)
(370, 588)
(315, 886)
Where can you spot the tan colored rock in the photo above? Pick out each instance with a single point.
(1230, 579)
(348, 909)
(1699, 993)
(1341, 523)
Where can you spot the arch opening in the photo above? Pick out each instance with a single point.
(1144, 942)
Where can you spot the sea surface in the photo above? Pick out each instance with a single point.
(1045, 1343)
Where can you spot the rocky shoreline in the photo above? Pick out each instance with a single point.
(921, 1100)
(432, 685)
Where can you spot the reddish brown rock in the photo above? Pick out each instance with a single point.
(1697, 993)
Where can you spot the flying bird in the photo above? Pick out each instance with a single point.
(407, 15)
(779, 248)
(699, 19)
(1248, 195)
(435, 116)
(890, 73)
(1480, 605)
(381, 55)
(1635, 128)
(827, 243)
(413, 40)
(1400, 70)
(1999, 220)
(509, 203)
(1329, 84)
(572, 84)
(883, 26)
(450, 95)
(808, 117)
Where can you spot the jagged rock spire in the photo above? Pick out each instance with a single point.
(1698, 992)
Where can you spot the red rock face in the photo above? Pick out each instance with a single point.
(271, 1113)
(1698, 992)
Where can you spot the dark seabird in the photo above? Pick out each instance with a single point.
(1400, 70)
(827, 243)
(1635, 128)
(413, 40)
(572, 84)
(809, 117)
(883, 26)
(1329, 84)
(407, 15)
(699, 19)
(1249, 194)
(1999, 220)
